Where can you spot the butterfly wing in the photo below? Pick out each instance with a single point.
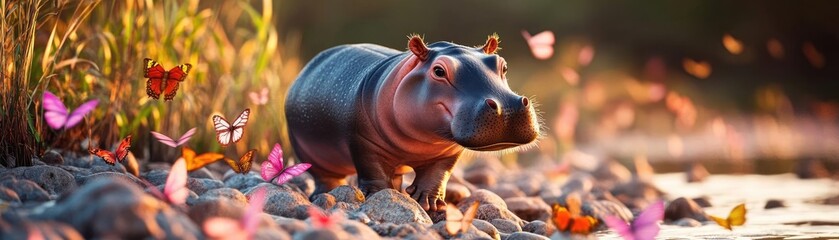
(78, 114)
(256, 203)
(263, 98)
(645, 226)
(561, 217)
(54, 111)
(721, 221)
(541, 44)
(224, 228)
(453, 224)
(155, 74)
(170, 89)
(254, 98)
(292, 172)
(246, 161)
(583, 225)
(617, 224)
(222, 130)
(122, 149)
(106, 155)
(468, 216)
(737, 217)
(184, 138)
(175, 188)
(164, 139)
(239, 125)
(203, 160)
(272, 167)
(179, 72)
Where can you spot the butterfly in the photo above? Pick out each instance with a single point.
(171, 142)
(227, 133)
(175, 191)
(243, 166)
(737, 217)
(541, 44)
(194, 161)
(645, 226)
(321, 220)
(58, 116)
(461, 225)
(273, 171)
(162, 82)
(245, 228)
(116, 156)
(260, 98)
(570, 220)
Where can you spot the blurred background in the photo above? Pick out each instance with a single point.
(742, 87)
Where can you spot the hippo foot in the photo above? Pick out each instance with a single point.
(431, 199)
(369, 187)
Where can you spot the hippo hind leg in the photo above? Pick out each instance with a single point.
(325, 181)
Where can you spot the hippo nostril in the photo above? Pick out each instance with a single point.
(525, 102)
(492, 104)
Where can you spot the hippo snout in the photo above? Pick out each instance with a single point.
(496, 124)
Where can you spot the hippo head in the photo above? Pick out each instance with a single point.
(463, 96)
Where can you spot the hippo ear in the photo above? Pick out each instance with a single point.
(491, 46)
(418, 47)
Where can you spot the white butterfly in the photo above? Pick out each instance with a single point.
(227, 133)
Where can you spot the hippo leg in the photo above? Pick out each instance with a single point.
(372, 174)
(429, 188)
(325, 181)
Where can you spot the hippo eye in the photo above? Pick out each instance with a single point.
(504, 70)
(439, 72)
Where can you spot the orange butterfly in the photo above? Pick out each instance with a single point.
(243, 166)
(116, 156)
(162, 82)
(737, 217)
(461, 225)
(570, 220)
(194, 161)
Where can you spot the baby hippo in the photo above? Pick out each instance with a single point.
(372, 110)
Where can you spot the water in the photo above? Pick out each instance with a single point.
(801, 219)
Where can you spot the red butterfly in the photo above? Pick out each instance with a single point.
(161, 81)
(113, 157)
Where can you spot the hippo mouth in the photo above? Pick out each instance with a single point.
(495, 146)
(446, 109)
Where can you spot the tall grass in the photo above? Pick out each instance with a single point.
(96, 50)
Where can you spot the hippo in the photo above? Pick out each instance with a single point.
(370, 110)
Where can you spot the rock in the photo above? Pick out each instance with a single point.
(156, 176)
(347, 194)
(119, 209)
(539, 227)
(203, 210)
(9, 195)
(304, 182)
(202, 185)
(321, 234)
(391, 206)
(637, 193)
(360, 231)
(684, 208)
(507, 190)
(490, 212)
(118, 168)
(505, 226)
(405, 231)
(482, 196)
(271, 233)
(26, 190)
(611, 173)
(25, 229)
(112, 175)
(702, 201)
(809, 168)
(79, 161)
(774, 203)
(223, 193)
(324, 200)
(283, 201)
(578, 182)
(529, 208)
(696, 172)
(471, 233)
(346, 207)
(687, 222)
(242, 182)
(482, 178)
(203, 173)
(525, 236)
(359, 216)
(53, 179)
(487, 228)
(52, 157)
(456, 192)
(603, 208)
(530, 183)
(290, 225)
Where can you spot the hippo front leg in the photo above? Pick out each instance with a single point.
(372, 174)
(429, 187)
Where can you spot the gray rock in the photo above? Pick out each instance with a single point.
(774, 203)
(456, 192)
(324, 200)
(9, 195)
(471, 233)
(684, 208)
(202, 185)
(507, 190)
(118, 168)
(204, 210)
(687, 222)
(482, 177)
(487, 228)
(283, 201)
(242, 182)
(348, 194)
(290, 225)
(78, 173)
(360, 231)
(53, 179)
(321, 234)
(405, 231)
(304, 182)
(26, 190)
(530, 183)
(79, 161)
(25, 229)
(529, 208)
(52, 157)
(539, 227)
(483, 197)
(203, 173)
(505, 226)
(155, 176)
(217, 194)
(119, 209)
(346, 207)
(391, 206)
(526, 236)
(110, 176)
(578, 182)
(490, 212)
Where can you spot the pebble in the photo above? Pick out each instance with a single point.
(391, 206)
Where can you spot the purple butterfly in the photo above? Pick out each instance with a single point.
(171, 142)
(644, 227)
(273, 171)
(59, 117)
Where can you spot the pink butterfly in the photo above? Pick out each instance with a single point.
(58, 116)
(260, 98)
(541, 44)
(226, 228)
(645, 226)
(273, 171)
(171, 142)
(321, 220)
(175, 191)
